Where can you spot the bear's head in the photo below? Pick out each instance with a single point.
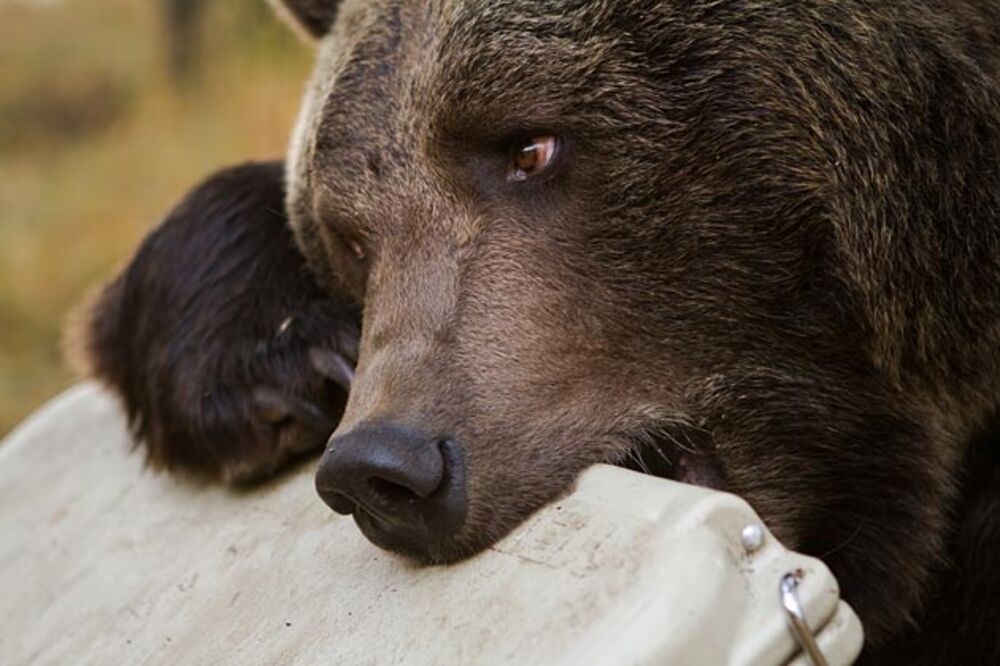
(628, 232)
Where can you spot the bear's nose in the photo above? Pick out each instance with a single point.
(404, 487)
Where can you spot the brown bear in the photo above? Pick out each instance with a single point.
(750, 245)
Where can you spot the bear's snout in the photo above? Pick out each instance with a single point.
(406, 489)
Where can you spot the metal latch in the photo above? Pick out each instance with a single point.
(797, 619)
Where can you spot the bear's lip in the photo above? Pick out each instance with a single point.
(674, 456)
(377, 530)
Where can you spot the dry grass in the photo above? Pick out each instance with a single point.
(96, 144)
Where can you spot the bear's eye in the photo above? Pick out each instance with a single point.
(531, 156)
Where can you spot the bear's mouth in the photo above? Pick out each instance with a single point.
(678, 454)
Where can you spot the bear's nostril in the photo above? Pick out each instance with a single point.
(339, 503)
(393, 492)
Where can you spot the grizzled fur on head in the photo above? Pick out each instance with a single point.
(772, 234)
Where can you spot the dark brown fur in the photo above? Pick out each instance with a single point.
(218, 340)
(773, 236)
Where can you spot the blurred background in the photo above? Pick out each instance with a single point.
(109, 111)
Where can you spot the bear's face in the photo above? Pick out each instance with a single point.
(590, 234)
(563, 233)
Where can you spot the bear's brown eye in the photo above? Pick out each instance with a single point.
(532, 156)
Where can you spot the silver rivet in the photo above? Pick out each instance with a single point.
(752, 537)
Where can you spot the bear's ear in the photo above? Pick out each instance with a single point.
(314, 17)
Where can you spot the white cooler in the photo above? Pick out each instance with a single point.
(102, 562)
